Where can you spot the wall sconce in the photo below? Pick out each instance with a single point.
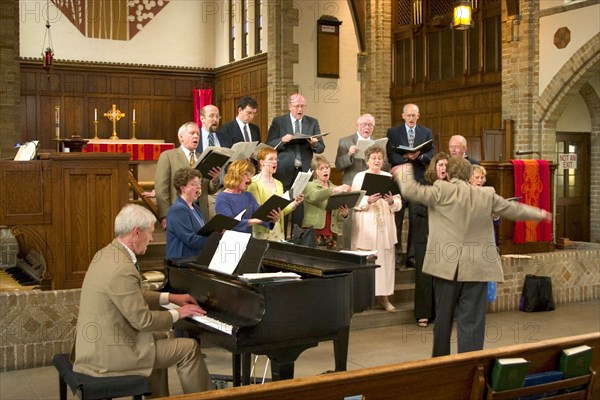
(462, 18)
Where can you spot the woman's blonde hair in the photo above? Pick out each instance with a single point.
(236, 172)
(317, 160)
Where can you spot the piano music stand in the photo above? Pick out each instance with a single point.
(250, 262)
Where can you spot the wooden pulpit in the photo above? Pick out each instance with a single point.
(64, 207)
(500, 175)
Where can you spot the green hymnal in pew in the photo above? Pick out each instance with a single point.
(509, 373)
(575, 361)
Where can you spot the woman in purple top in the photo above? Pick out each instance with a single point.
(235, 198)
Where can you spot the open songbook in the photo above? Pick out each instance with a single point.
(27, 151)
(376, 183)
(274, 202)
(217, 157)
(302, 179)
(220, 223)
(364, 144)
(423, 148)
(303, 136)
(348, 199)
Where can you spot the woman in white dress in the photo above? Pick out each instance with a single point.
(374, 228)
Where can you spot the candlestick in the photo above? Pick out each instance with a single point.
(57, 126)
(133, 124)
(96, 130)
(95, 114)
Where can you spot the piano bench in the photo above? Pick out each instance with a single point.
(95, 388)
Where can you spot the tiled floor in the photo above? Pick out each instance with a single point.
(370, 347)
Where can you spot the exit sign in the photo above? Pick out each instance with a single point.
(567, 161)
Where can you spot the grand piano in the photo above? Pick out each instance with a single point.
(279, 319)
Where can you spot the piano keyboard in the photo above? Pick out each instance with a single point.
(206, 320)
(7, 283)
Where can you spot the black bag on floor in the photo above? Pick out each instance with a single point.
(304, 236)
(537, 294)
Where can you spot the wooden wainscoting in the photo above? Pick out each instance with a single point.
(161, 97)
(247, 77)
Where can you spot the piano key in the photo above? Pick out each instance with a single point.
(206, 320)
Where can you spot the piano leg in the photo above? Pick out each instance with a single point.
(241, 365)
(340, 348)
(282, 370)
(282, 360)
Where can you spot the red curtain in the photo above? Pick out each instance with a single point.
(532, 184)
(202, 97)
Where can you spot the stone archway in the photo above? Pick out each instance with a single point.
(573, 78)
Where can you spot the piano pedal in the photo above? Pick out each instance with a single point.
(222, 381)
(327, 372)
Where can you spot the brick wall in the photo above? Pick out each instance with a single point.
(376, 70)
(35, 325)
(575, 276)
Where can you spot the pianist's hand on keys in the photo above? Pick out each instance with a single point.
(205, 320)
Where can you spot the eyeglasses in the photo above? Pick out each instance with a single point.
(298, 105)
(212, 116)
(367, 124)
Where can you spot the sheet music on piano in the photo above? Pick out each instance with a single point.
(205, 320)
(232, 246)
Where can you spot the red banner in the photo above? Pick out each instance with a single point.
(138, 151)
(532, 184)
(202, 97)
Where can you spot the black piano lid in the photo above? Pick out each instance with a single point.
(326, 261)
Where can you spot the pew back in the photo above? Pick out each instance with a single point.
(458, 376)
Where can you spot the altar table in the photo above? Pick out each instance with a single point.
(140, 150)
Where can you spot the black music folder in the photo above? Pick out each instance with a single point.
(423, 148)
(218, 223)
(349, 199)
(213, 158)
(375, 183)
(274, 202)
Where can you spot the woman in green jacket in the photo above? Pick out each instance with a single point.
(327, 223)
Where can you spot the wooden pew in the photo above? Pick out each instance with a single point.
(458, 376)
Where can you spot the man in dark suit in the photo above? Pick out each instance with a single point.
(241, 129)
(294, 155)
(408, 134)
(457, 147)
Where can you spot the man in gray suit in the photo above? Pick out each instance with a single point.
(119, 323)
(294, 155)
(349, 165)
(461, 251)
(184, 156)
(345, 160)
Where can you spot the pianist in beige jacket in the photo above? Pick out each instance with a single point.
(118, 322)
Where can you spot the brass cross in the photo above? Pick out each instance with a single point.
(114, 115)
